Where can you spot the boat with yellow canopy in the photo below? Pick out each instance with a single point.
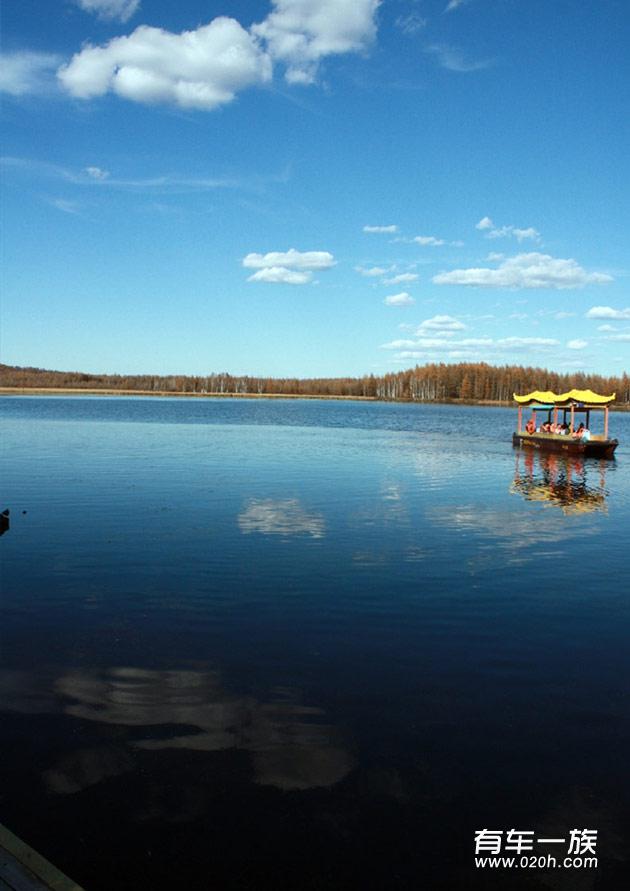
(566, 436)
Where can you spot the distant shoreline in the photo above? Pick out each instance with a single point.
(95, 391)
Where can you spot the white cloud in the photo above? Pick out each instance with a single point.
(562, 314)
(624, 338)
(300, 33)
(372, 272)
(485, 223)
(402, 299)
(453, 60)
(287, 267)
(66, 206)
(428, 239)
(382, 229)
(398, 344)
(402, 278)
(281, 275)
(195, 69)
(111, 9)
(493, 256)
(25, 72)
(290, 259)
(517, 343)
(606, 328)
(207, 67)
(284, 517)
(519, 234)
(410, 24)
(97, 173)
(531, 270)
(607, 312)
(441, 323)
(455, 4)
(577, 344)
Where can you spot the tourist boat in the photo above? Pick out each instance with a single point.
(571, 403)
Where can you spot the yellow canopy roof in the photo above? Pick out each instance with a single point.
(547, 397)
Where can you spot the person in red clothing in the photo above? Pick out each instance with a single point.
(530, 427)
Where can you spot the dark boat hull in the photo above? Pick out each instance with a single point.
(594, 448)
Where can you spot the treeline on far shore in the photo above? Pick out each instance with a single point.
(470, 382)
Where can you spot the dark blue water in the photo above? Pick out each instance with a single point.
(252, 644)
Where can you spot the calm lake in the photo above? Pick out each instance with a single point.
(251, 644)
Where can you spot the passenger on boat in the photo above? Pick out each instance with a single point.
(564, 429)
(530, 426)
(577, 434)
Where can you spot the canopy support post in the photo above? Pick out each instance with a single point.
(606, 422)
(520, 416)
(572, 418)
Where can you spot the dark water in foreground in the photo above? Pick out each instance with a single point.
(309, 645)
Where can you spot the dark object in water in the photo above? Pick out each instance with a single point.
(4, 521)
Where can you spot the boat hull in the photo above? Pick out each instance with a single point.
(594, 448)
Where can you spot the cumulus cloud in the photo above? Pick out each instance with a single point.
(402, 299)
(440, 323)
(382, 229)
(532, 270)
(428, 240)
(25, 72)
(207, 67)
(110, 9)
(300, 33)
(485, 223)
(195, 69)
(279, 274)
(287, 267)
(577, 344)
(453, 60)
(402, 278)
(608, 312)
(290, 259)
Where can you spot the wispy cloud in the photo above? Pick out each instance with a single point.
(531, 270)
(521, 234)
(410, 24)
(96, 177)
(428, 240)
(122, 10)
(453, 59)
(66, 206)
(26, 72)
(440, 323)
(371, 271)
(455, 4)
(577, 344)
(402, 278)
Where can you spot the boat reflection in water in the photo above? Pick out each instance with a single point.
(571, 483)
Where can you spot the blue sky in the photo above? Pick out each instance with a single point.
(315, 187)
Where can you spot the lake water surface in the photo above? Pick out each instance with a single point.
(256, 644)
